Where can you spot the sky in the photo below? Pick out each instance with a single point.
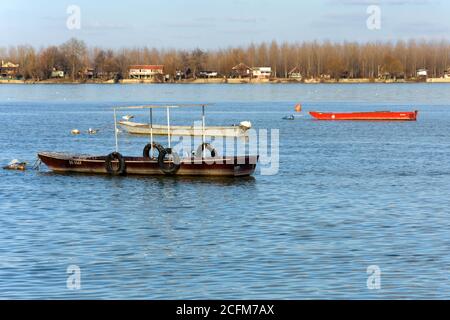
(210, 24)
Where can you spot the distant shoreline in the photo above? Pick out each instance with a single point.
(227, 81)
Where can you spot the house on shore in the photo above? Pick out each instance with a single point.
(186, 73)
(146, 72)
(208, 74)
(57, 74)
(241, 71)
(9, 70)
(261, 72)
(178, 75)
(108, 75)
(447, 73)
(295, 74)
(88, 73)
(388, 76)
(422, 73)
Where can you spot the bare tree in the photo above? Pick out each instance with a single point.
(197, 61)
(313, 59)
(74, 50)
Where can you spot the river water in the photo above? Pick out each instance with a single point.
(348, 195)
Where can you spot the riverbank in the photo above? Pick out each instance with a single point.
(226, 81)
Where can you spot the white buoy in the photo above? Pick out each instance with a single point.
(93, 131)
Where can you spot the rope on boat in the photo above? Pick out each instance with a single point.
(37, 164)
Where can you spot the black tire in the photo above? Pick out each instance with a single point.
(148, 147)
(207, 146)
(171, 167)
(121, 169)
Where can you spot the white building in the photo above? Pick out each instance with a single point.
(447, 74)
(295, 73)
(262, 72)
(145, 71)
(208, 74)
(9, 70)
(57, 73)
(422, 73)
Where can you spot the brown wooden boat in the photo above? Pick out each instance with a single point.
(223, 166)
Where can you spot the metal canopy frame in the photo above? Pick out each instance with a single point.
(167, 107)
(163, 106)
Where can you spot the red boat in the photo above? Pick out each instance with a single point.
(367, 116)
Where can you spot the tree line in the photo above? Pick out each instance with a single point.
(313, 59)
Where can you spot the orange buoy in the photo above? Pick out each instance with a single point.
(298, 107)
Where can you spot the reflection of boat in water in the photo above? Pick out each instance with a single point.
(155, 160)
(162, 130)
(367, 116)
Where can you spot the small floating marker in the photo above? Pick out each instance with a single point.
(298, 107)
(291, 117)
(16, 165)
(75, 132)
(92, 131)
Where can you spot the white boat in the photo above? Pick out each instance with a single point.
(162, 130)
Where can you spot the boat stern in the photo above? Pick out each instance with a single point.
(245, 166)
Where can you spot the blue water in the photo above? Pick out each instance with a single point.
(347, 195)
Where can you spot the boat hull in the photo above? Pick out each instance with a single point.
(366, 116)
(225, 166)
(161, 130)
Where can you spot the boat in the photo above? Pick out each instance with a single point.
(115, 164)
(367, 116)
(162, 130)
(155, 159)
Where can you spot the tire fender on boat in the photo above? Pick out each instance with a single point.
(171, 167)
(207, 146)
(121, 169)
(148, 147)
